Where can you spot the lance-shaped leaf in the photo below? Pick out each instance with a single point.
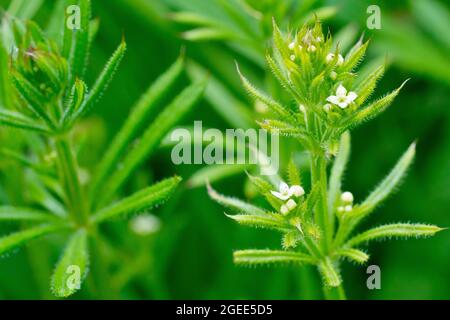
(338, 170)
(267, 257)
(79, 50)
(8, 213)
(235, 203)
(135, 121)
(151, 138)
(293, 173)
(371, 111)
(144, 199)
(76, 99)
(72, 267)
(274, 106)
(16, 239)
(102, 82)
(354, 255)
(330, 274)
(207, 34)
(268, 221)
(388, 185)
(368, 84)
(397, 230)
(17, 120)
(34, 100)
(283, 79)
(354, 56)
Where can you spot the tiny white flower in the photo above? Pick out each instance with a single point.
(292, 45)
(298, 191)
(284, 192)
(347, 197)
(348, 208)
(330, 57)
(342, 98)
(302, 108)
(284, 209)
(327, 107)
(319, 39)
(291, 204)
(292, 57)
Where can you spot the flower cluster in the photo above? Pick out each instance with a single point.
(286, 193)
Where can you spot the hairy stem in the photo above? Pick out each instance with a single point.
(68, 171)
(336, 293)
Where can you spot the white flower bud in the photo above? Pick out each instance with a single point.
(329, 57)
(340, 60)
(312, 48)
(333, 75)
(348, 208)
(291, 204)
(347, 197)
(292, 57)
(292, 45)
(284, 209)
(302, 108)
(340, 209)
(298, 191)
(327, 107)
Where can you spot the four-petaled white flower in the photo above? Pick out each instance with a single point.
(285, 192)
(342, 98)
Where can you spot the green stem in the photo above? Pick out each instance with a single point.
(335, 293)
(68, 170)
(324, 220)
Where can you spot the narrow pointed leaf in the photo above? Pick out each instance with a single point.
(76, 99)
(103, 81)
(72, 266)
(267, 257)
(80, 45)
(17, 120)
(135, 121)
(234, 203)
(388, 185)
(293, 173)
(151, 138)
(16, 239)
(368, 84)
(396, 230)
(354, 57)
(268, 221)
(144, 199)
(354, 255)
(8, 213)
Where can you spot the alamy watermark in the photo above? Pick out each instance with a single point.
(235, 146)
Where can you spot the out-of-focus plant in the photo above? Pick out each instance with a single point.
(48, 101)
(327, 99)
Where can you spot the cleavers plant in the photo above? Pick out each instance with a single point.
(48, 101)
(328, 99)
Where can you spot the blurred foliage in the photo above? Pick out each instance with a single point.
(191, 255)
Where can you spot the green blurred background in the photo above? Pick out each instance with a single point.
(191, 256)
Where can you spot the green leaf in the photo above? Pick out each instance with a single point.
(338, 170)
(8, 213)
(388, 185)
(235, 203)
(135, 121)
(293, 173)
(76, 99)
(23, 160)
(283, 79)
(6, 92)
(266, 221)
(374, 109)
(103, 81)
(398, 230)
(151, 138)
(330, 274)
(213, 173)
(272, 104)
(355, 255)
(17, 120)
(354, 57)
(24, 9)
(72, 267)
(143, 199)
(79, 52)
(16, 239)
(368, 84)
(207, 34)
(34, 100)
(266, 257)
